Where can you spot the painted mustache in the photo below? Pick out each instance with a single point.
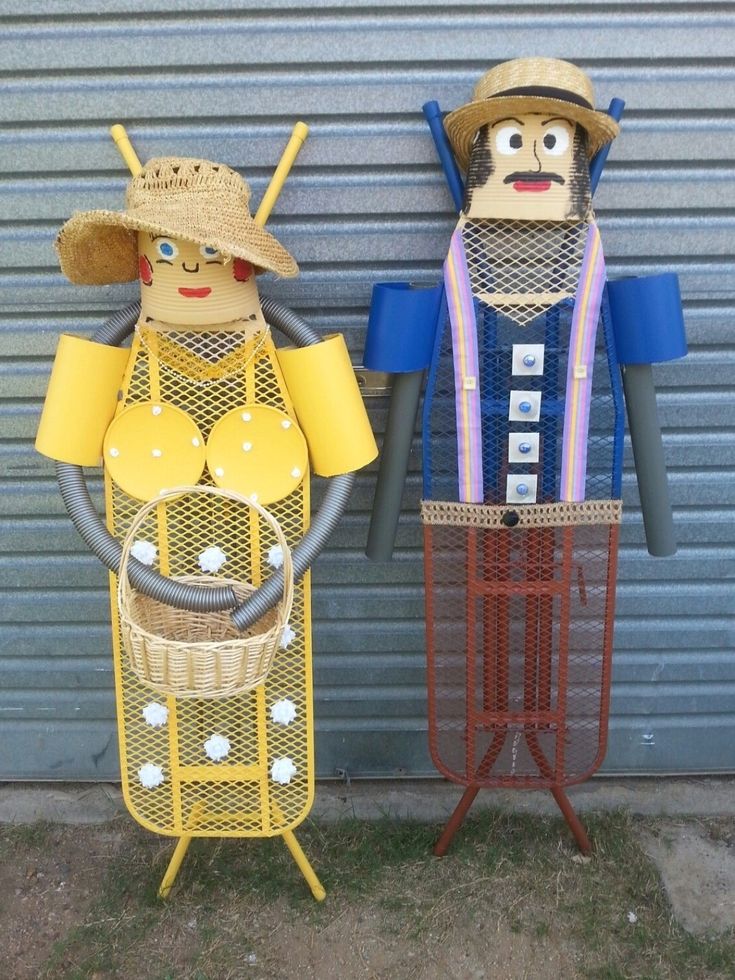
(532, 177)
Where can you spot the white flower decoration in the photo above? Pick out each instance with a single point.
(155, 714)
(275, 556)
(144, 551)
(212, 559)
(283, 770)
(283, 712)
(150, 776)
(287, 636)
(217, 747)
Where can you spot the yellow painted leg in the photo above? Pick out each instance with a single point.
(179, 852)
(317, 889)
(173, 866)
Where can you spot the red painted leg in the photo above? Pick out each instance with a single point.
(573, 821)
(455, 821)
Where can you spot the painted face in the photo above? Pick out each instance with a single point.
(186, 283)
(531, 167)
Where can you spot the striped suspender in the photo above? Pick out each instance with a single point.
(466, 371)
(579, 371)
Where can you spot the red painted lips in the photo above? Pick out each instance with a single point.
(195, 293)
(532, 185)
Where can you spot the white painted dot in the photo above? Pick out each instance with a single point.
(195, 442)
(247, 446)
(246, 416)
(286, 424)
(295, 472)
(219, 471)
(156, 410)
(156, 453)
(114, 453)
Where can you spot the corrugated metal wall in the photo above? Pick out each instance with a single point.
(226, 80)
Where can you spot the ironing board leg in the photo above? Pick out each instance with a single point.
(173, 866)
(317, 890)
(573, 821)
(455, 821)
(180, 851)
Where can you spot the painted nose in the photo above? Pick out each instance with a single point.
(536, 156)
(195, 269)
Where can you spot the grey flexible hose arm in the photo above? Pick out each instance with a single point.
(91, 527)
(333, 506)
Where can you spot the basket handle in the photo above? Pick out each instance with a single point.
(123, 581)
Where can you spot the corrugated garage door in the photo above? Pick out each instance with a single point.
(366, 202)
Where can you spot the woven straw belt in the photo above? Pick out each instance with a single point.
(193, 654)
(562, 514)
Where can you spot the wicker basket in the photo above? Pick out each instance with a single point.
(194, 654)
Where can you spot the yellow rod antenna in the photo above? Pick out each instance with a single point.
(125, 148)
(298, 135)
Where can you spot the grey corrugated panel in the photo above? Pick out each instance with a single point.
(344, 141)
(650, 140)
(390, 239)
(640, 667)
(344, 94)
(40, 748)
(346, 239)
(360, 190)
(351, 284)
(322, 38)
(35, 11)
(366, 193)
(26, 334)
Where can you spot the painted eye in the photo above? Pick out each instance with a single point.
(556, 141)
(209, 252)
(508, 140)
(166, 249)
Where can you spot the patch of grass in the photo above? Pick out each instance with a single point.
(125, 914)
(504, 872)
(31, 836)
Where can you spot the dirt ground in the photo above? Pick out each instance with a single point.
(50, 880)
(512, 900)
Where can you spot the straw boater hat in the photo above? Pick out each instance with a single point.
(195, 200)
(530, 85)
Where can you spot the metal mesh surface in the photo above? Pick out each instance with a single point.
(235, 796)
(519, 640)
(520, 268)
(497, 333)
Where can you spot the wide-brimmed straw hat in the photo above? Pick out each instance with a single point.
(530, 85)
(195, 200)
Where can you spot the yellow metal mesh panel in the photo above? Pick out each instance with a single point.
(208, 374)
(521, 268)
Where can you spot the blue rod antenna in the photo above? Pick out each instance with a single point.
(433, 116)
(615, 110)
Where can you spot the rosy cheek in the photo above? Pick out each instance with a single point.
(145, 270)
(241, 270)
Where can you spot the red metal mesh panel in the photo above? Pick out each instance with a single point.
(519, 640)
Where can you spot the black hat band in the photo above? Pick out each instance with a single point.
(544, 92)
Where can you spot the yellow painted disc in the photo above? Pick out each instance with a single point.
(151, 447)
(258, 451)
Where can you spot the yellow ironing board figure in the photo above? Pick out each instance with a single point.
(202, 406)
